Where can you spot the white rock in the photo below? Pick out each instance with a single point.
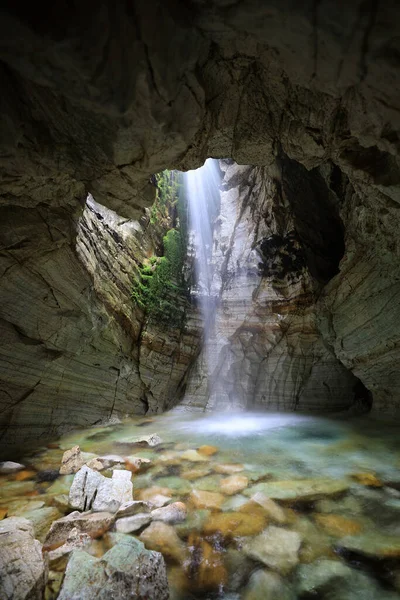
(128, 509)
(173, 513)
(92, 491)
(133, 523)
(10, 467)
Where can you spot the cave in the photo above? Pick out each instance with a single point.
(107, 325)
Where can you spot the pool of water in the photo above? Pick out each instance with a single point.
(334, 486)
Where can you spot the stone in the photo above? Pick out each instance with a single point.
(173, 513)
(9, 466)
(272, 509)
(163, 538)
(134, 507)
(157, 496)
(127, 570)
(313, 578)
(264, 585)
(22, 568)
(94, 524)
(202, 499)
(196, 473)
(72, 461)
(111, 460)
(92, 491)
(368, 479)
(234, 484)
(24, 475)
(234, 524)
(299, 490)
(207, 450)
(76, 539)
(194, 523)
(337, 525)
(193, 456)
(96, 464)
(133, 523)
(373, 544)
(41, 519)
(211, 483)
(61, 502)
(151, 440)
(227, 469)
(136, 463)
(176, 484)
(275, 547)
(207, 565)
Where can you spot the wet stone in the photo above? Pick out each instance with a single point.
(202, 499)
(264, 585)
(205, 565)
(163, 538)
(337, 525)
(94, 524)
(234, 524)
(228, 469)
(300, 490)
(275, 547)
(173, 513)
(133, 508)
(207, 450)
(234, 484)
(272, 509)
(133, 523)
(193, 456)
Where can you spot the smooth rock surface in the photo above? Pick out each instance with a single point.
(173, 513)
(163, 538)
(133, 523)
(275, 547)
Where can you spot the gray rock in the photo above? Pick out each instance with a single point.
(133, 523)
(95, 524)
(128, 570)
(173, 513)
(22, 568)
(275, 547)
(264, 585)
(316, 576)
(10, 467)
(76, 539)
(133, 508)
(153, 439)
(92, 491)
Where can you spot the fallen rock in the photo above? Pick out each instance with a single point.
(273, 510)
(134, 507)
(92, 491)
(173, 513)
(147, 440)
(234, 524)
(275, 547)
(128, 570)
(234, 484)
(299, 490)
(163, 538)
(10, 467)
(264, 585)
(133, 523)
(94, 524)
(202, 499)
(337, 525)
(72, 461)
(22, 568)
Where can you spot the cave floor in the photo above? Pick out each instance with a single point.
(287, 505)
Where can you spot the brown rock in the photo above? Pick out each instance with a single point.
(94, 524)
(207, 450)
(72, 461)
(207, 570)
(195, 473)
(201, 499)
(163, 538)
(228, 469)
(337, 525)
(234, 484)
(367, 479)
(234, 524)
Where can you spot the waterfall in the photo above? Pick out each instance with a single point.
(202, 188)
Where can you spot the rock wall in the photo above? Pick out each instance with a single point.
(98, 96)
(265, 349)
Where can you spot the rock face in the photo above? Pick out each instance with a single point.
(128, 570)
(307, 89)
(22, 568)
(265, 348)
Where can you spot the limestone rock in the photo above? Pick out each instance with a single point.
(94, 524)
(127, 570)
(163, 538)
(76, 539)
(134, 507)
(72, 461)
(173, 513)
(92, 491)
(22, 568)
(275, 547)
(133, 523)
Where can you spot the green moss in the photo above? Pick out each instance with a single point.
(160, 288)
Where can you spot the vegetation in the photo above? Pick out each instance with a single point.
(160, 288)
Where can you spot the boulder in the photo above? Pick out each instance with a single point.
(92, 491)
(275, 547)
(22, 568)
(72, 461)
(128, 570)
(94, 524)
(145, 440)
(300, 490)
(201, 499)
(234, 484)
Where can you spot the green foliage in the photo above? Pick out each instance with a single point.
(159, 288)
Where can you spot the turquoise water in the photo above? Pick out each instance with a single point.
(336, 483)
